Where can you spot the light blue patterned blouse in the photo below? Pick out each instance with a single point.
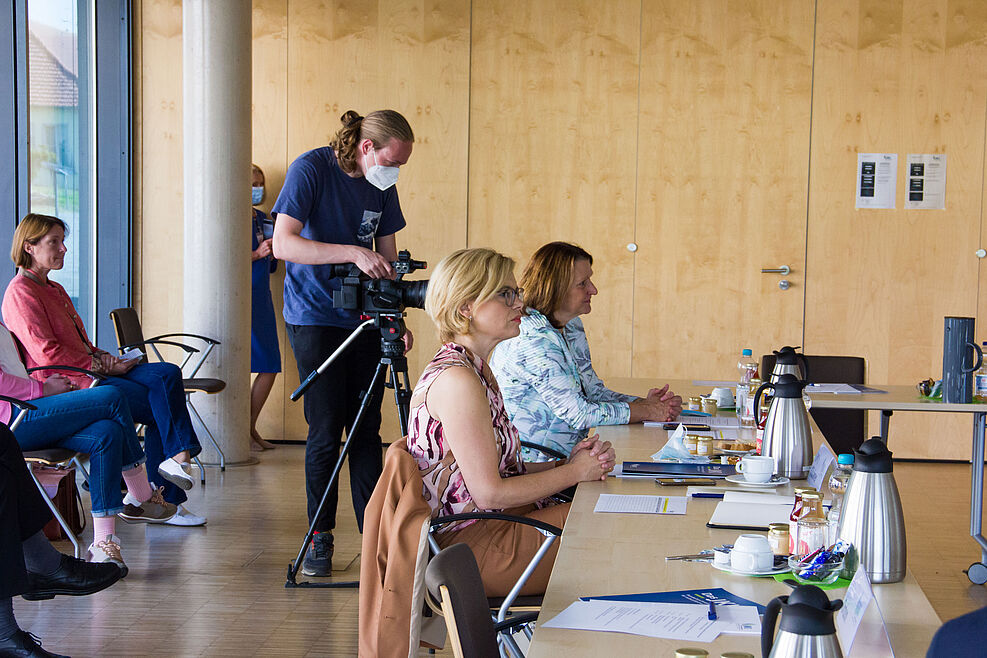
(553, 395)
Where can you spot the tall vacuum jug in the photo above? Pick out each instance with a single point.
(787, 434)
(871, 519)
(807, 628)
(960, 357)
(787, 360)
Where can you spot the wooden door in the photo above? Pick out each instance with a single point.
(722, 173)
(553, 100)
(897, 77)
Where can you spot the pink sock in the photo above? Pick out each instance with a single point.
(137, 484)
(103, 526)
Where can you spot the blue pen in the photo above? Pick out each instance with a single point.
(711, 615)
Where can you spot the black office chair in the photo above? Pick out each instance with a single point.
(844, 429)
(453, 578)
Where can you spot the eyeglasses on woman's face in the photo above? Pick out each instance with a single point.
(511, 296)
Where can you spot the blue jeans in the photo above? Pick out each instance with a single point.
(95, 421)
(156, 396)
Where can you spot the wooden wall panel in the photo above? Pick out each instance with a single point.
(902, 77)
(722, 174)
(407, 55)
(553, 144)
(270, 131)
(161, 194)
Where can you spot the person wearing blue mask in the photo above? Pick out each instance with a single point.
(265, 355)
(339, 204)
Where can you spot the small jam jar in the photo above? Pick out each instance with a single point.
(695, 403)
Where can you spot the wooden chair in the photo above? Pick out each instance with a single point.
(453, 578)
(844, 429)
(127, 326)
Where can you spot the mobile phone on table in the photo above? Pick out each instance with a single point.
(685, 482)
(689, 427)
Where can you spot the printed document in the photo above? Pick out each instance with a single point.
(638, 504)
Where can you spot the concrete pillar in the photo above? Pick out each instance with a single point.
(216, 47)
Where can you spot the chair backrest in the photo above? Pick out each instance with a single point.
(453, 577)
(127, 326)
(844, 429)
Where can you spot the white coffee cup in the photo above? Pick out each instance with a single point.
(751, 553)
(756, 468)
(723, 397)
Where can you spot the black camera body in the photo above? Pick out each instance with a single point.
(366, 296)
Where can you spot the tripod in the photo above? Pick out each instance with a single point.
(393, 362)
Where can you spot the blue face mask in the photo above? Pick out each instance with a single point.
(256, 194)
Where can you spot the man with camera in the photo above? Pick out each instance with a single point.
(339, 205)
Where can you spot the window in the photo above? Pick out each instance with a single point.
(65, 138)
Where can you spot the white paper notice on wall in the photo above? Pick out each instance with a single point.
(877, 175)
(926, 181)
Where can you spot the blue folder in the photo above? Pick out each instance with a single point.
(717, 595)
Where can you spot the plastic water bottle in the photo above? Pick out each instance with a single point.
(748, 371)
(838, 483)
(980, 382)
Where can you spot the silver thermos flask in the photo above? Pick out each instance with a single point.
(871, 519)
(807, 628)
(787, 434)
(787, 360)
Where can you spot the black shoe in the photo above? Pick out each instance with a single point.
(318, 557)
(73, 577)
(25, 645)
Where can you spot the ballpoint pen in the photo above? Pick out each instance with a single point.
(711, 615)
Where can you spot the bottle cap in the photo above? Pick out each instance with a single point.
(844, 458)
(747, 351)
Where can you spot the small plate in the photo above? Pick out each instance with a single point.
(735, 452)
(773, 482)
(771, 572)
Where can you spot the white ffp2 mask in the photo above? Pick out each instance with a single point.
(380, 176)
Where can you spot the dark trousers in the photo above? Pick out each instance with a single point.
(331, 405)
(22, 513)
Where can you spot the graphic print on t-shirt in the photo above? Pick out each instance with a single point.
(368, 227)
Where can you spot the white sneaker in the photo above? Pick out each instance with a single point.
(185, 518)
(179, 474)
(107, 550)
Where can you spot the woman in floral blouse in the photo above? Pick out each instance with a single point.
(466, 448)
(552, 393)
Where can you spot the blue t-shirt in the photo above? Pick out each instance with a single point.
(334, 208)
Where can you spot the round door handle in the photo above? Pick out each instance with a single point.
(631, 247)
(784, 284)
(981, 253)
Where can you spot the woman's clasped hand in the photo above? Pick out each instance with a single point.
(593, 458)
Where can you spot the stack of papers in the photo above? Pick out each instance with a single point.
(751, 511)
(670, 615)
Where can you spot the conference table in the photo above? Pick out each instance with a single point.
(907, 398)
(605, 554)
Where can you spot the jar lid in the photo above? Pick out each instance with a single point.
(736, 654)
(802, 490)
(812, 495)
(777, 527)
(689, 652)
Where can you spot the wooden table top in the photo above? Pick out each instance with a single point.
(604, 554)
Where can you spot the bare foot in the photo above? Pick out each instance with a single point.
(259, 444)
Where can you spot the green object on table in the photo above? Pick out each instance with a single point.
(840, 582)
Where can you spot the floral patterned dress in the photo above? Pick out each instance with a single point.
(445, 490)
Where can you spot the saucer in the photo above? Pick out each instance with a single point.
(770, 572)
(773, 482)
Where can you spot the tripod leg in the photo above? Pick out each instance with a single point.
(297, 564)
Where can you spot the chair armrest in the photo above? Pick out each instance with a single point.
(17, 402)
(511, 623)
(92, 373)
(551, 452)
(154, 341)
(497, 516)
(207, 339)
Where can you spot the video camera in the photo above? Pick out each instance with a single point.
(358, 292)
